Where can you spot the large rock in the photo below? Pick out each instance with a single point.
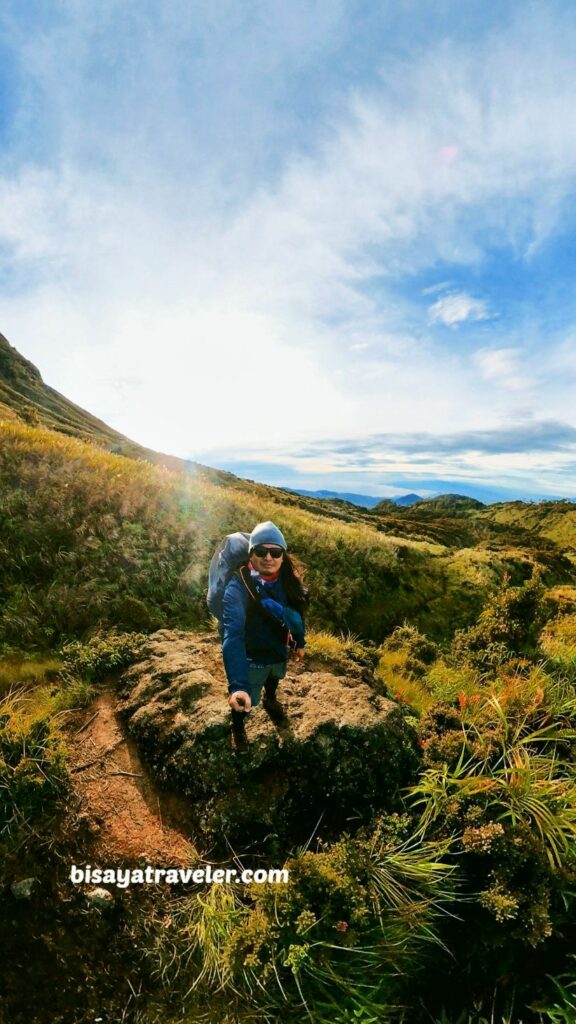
(343, 752)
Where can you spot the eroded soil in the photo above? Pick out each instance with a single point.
(124, 811)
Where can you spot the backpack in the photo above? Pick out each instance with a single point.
(228, 557)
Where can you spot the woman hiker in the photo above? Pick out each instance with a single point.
(262, 621)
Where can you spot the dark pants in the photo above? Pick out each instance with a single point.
(270, 687)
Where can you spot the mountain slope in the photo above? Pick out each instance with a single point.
(554, 521)
(453, 504)
(452, 520)
(23, 392)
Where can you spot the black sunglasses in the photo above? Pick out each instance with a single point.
(261, 551)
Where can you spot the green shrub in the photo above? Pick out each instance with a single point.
(509, 625)
(451, 684)
(404, 658)
(419, 649)
(558, 644)
(71, 694)
(337, 938)
(103, 654)
(500, 781)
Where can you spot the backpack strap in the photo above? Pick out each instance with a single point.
(243, 574)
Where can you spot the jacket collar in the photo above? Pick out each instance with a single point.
(264, 579)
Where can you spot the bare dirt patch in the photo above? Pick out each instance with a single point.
(126, 813)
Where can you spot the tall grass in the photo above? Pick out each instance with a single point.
(91, 540)
(20, 672)
(32, 762)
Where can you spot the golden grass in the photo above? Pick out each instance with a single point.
(558, 641)
(23, 673)
(339, 652)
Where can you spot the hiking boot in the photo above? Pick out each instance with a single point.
(239, 739)
(273, 707)
(240, 742)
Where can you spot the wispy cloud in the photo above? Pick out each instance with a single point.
(195, 199)
(503, 366)
(530, 458)
(456, 308)
(529, 437)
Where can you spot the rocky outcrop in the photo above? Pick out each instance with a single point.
(341, 754)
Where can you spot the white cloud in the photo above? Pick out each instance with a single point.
(503, 367)
(434, 288)
(177, 237)
(456, 308)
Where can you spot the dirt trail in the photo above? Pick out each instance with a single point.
(125, 812)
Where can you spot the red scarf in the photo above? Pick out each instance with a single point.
(265, 579)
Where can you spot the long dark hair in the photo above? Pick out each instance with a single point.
(292, 576)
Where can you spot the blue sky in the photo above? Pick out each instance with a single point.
(326, 244)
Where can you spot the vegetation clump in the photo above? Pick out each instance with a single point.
(102, 654)
(499, 779)
(33, 772)
(404, 659)
(510, 624)
(558, 645)
(345, 655)
(344, 932)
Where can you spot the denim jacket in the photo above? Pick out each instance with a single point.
(248, 637)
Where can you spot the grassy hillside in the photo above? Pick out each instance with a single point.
(450, 520)
(89, 539)
(548, 528)
(554, 521)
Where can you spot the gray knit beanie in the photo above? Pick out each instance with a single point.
(267, 533)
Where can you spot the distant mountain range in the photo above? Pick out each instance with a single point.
(363, 500)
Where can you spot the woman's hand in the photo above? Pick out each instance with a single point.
(240, 701)
(273, 608)
(299, 653)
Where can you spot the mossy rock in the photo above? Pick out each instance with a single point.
(342, 754)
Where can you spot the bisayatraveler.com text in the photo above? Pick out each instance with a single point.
(149, 875)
